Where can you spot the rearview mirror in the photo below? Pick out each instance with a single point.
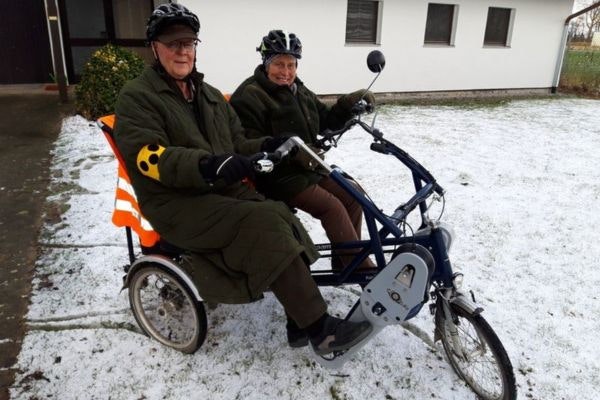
(376, 61)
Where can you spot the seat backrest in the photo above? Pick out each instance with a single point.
(127, 211)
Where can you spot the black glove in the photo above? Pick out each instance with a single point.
(347, 101)
(271, 143)
(229, 167)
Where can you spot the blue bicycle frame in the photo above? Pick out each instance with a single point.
(389, 235)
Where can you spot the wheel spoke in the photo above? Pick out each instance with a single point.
(165, 309)
(474, 357)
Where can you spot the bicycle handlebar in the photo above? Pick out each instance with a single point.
(265, 162)
(383, 146)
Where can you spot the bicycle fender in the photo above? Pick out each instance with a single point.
(166, 264)
(463, 302)
(395, 291)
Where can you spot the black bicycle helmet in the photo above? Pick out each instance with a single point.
(169, 14)
(280, 42)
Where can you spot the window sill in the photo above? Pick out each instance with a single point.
(438, 45)
(361, 44)
(496, 46)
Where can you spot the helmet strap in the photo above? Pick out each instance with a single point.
(152, 44)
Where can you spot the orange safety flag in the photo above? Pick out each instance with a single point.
(127, 211)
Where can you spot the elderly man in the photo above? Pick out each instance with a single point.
(180, 141)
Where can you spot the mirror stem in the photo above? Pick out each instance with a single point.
(372, 82)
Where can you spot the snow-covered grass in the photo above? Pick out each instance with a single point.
(523, 184)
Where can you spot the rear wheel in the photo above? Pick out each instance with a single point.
(166, 309)
(476, 354)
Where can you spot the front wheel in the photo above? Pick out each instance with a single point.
(476, 354)
(166, 309)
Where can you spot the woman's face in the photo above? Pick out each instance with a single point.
(282, 69)
(177, 57)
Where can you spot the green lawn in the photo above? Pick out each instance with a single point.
(581, 71)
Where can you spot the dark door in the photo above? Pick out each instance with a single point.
(90, 24)
(25, 50)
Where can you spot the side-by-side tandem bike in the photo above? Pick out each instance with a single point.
(413, 269)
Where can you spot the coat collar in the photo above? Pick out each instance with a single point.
(260, 75)
(161, 83)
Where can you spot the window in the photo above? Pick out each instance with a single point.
(89, 25)
(362, 21)
(499, 21)
(441, 22)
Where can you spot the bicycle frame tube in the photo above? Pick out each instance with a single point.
(379, 238)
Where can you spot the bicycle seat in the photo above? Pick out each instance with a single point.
(163, 248)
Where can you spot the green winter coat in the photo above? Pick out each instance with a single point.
(268, 109)
(238, 243)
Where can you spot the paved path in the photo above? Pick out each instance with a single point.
(29, 123)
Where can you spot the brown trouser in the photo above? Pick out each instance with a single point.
(339, 213)
(297, 291)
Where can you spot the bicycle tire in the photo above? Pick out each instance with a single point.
(166, 310)
(477, 336)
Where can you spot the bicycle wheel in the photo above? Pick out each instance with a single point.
(477, 355)
(166, 309)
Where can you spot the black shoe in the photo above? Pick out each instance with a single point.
(296, 336)
(337, 334)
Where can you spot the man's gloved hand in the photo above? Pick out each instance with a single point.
(229, 167)
(271, 143)
(347, 101)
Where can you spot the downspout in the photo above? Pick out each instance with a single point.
(563, 44)
(56, 49)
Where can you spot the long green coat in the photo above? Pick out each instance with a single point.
(238, 243)
(268, 109)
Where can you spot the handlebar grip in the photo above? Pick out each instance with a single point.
(358, 108)
(379, 148)
(327, 134)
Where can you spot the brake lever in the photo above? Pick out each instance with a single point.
(327, 141)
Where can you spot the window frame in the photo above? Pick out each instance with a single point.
(509, 28)
(73, 45)
(453, 24)
(370, 42)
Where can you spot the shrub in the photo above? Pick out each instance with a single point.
(103, 77)
(581, 72)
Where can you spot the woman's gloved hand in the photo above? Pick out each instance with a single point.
(229, 167)
(347, 101)
(271, 143)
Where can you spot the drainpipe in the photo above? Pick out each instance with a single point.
(56, 49)
(563, 44)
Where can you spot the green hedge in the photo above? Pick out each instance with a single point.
(103, 77)
(581, 71)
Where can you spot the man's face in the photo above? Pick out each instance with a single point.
(177, 57)
(282, 70)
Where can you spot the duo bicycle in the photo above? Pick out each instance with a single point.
(413, 269)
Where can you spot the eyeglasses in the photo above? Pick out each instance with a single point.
(186, 45)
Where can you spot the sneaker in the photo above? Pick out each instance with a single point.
(296, 336)
(338, 334)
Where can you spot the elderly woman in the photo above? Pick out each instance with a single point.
(180, 141)
(274, 104)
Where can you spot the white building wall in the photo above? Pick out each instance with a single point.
(231, 30)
